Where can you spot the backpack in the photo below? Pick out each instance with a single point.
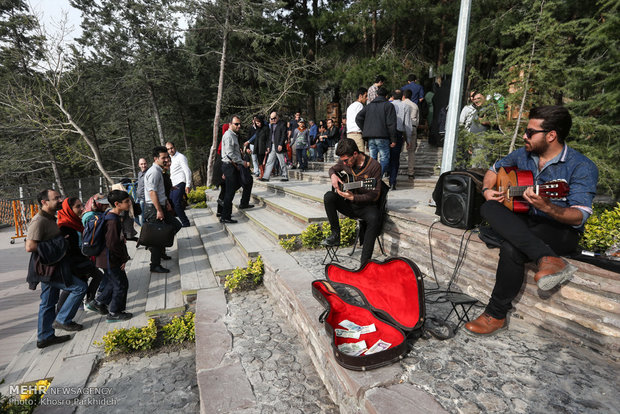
(93, 235)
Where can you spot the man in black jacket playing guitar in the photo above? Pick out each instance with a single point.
(365, 175)
(550, 228)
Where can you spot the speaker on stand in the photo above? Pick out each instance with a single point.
(459, 203)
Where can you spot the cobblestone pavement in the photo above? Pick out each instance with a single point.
(162, 383)
(280, 372)
(521, 370)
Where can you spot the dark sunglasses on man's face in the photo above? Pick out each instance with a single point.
(529, 133)
(273, 119)
(236, 123)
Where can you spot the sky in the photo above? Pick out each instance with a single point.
(50, 14)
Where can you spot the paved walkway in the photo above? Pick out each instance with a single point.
(282, 376)
(522, 370)
(18, 304)
(162, 383)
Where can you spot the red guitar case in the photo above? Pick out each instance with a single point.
(388, 294)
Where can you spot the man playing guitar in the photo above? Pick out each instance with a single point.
(358, 203)
(550, 228)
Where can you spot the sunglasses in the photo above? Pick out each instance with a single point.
(529, 133)
(236, 123)
(273, 119)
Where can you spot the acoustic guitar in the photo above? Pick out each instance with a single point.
(349, 183)
(513, 183)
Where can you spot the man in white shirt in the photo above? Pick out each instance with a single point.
(353, 130)
(181, 177)
(412, 143)
(403, 133)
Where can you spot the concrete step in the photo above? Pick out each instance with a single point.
(223, 255)
(278, 225)
(246, 236)
(194, 266)
(164, 292)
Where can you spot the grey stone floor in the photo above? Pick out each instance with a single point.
(162, 383)
(522, 370)
(280, 372)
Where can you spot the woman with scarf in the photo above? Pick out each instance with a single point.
(81, 266)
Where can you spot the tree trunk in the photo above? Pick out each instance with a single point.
(374, 33)
(527, 79)
(365, 36)
(131, 153)
(441, 41)
(218, 103)
(91, 144)
(160, 130)
(183, 131)
(50, 154)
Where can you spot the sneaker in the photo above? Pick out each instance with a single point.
(284, 179)
(52, 340)
(95, 306)
(553, 271)
(332, 240)
(118, 317)
(159, 269)
(71, 326)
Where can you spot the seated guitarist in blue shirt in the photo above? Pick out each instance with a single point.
(365, 173)
(551, 227)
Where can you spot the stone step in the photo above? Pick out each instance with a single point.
(300, 209)
(278, 225)
(223, 255)
(246, 236)
(194, 266)
(164, 292)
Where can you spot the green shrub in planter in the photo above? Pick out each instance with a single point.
(197, 195)
(289, 244)
(128, 340)
(180, 329)
(602, 230)
(347, 230)
(248, 278)
(311, 237)
(202, 204)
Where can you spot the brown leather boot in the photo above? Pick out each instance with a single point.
(485, 324)
(553, 271)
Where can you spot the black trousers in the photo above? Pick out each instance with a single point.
(232, 185)
(176, 198)
(150, 215)
(368, 212)
(527, 238)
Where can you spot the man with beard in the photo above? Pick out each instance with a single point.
(551, 228)
(49, 267)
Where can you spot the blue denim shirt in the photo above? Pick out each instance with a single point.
(580, 173)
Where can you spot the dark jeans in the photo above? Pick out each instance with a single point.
(114, 294)
(176, 197)
(232, 185)
(84, 270)
(395, 158)
(321, 148)
(368, 212)
(527, 238)
(150, 215)
(302, 158)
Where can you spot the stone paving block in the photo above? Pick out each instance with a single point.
(68, 384)
(400, 398)
(227, 387)
(210, 305)
(213, 341)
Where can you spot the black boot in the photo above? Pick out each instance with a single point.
(332, 240)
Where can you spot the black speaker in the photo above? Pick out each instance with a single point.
(458, 202)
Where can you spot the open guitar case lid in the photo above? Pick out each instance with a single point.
(388, 294)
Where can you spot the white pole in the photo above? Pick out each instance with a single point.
(458, 75)
(80, 189)
(21, 193)
(100, 185)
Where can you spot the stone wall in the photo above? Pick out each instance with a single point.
(585, 311)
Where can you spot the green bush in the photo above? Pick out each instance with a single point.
(128, 340)
(197, 195)
(311, 237)
(248, 278)
(180, 329)
(202, 204)
(289, 244)
(602, 231)
(347, 230)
